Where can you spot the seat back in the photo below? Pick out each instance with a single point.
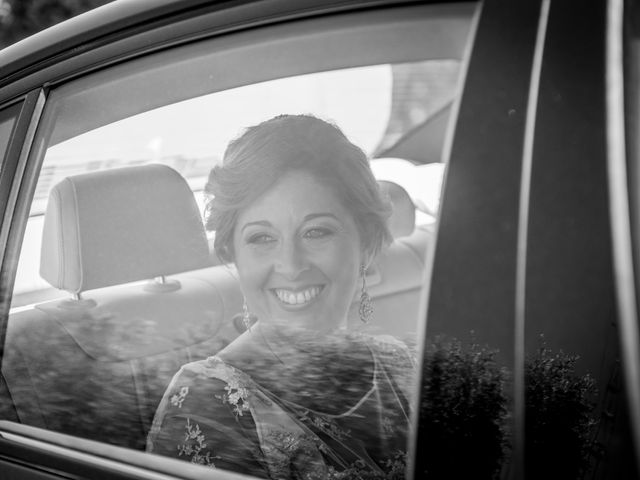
(118, 226)
(394, 281)
(403, 216)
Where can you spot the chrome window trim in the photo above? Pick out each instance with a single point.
(624, 275)
(100, 462)
(90, 456)
(519, 404)
(13, 217)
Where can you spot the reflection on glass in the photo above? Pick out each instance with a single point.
(296, 207)
(560, 418)
(463, 411)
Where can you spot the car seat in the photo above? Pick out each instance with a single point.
(402, 222)
(395, 279)
(130, 248)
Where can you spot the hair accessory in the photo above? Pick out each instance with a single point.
(366, 306)
(246, 316)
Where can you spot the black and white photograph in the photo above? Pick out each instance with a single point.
(319, 239)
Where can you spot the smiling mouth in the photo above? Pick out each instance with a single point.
(299, 297)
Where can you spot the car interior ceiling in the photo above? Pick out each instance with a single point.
(280, 51)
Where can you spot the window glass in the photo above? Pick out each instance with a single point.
(366, 103)
(228, 268)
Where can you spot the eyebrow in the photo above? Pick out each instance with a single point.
(262, 223)
(311, 216)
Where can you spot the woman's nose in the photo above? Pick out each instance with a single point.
(291, 260)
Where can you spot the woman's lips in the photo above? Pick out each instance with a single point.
(297, 297)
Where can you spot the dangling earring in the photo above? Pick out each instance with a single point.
(246, 316)
(366, 307)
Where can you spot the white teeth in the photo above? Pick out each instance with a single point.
(297, 298)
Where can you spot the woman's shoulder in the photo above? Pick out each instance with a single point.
(384, 342)
(211, 368)
(204, 380)
(390, 349)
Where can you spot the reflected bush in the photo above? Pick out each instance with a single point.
(463, 411)
(464, 414)
(559, 421)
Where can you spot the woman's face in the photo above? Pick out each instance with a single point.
(297, 251)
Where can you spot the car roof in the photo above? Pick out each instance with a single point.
(122, 18)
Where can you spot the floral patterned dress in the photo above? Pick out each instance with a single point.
(338, 411)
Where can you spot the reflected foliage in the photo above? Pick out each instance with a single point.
(281, 403)
(463, 411)
(559, 416)
(96, 373)
(108, 392)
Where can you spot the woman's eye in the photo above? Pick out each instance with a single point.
(318, 233)
(260, 239)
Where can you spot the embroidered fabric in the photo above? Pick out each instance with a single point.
(216, 415)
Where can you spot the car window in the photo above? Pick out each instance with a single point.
(226, 266)
(180, 136)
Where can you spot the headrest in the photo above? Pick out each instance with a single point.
(123, 225)
(403, 217)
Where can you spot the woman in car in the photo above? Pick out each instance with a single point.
(296, 208)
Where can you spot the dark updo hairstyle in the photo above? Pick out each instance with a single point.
(264, 153)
